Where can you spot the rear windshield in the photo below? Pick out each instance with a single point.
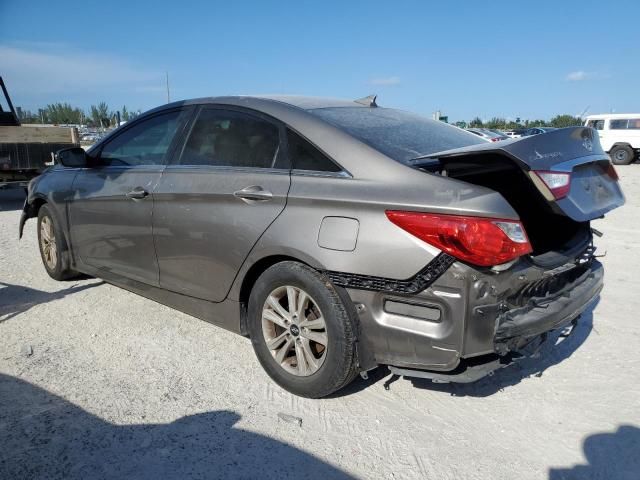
(399, 135)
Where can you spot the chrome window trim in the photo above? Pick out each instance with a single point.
(320, 173)
(226, 168)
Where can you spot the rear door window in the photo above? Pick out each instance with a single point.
(225, 138)
(597, 124)
(305, 156)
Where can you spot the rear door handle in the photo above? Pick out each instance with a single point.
(254, 193)
(137, 193)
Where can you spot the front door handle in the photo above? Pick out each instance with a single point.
(253, 193)
(137, 193)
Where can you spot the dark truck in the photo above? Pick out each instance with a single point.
(25, 150)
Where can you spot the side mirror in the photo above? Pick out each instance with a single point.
(72, 157)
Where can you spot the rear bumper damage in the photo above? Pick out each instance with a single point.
(521, 331)
(516, 327)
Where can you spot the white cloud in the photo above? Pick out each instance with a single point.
(580, 75)
(56, 69)
(577, 76)
(385, 81)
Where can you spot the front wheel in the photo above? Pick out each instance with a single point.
(621, 155)
(303, 334)
(53, 247)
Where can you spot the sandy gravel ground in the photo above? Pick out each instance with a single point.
(96, 382)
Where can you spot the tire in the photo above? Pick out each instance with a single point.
(323, 318)
(621, 155)
(54, 251)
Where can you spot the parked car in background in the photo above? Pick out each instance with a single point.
(537, 131)
(337, 235)
(515, 133)
(489, 135)
(619, 135)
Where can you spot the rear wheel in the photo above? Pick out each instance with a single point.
(621, 155)
(53, 247)
(301, 331)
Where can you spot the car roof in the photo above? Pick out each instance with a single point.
(604, 116)
(254, 101)
(310, 103)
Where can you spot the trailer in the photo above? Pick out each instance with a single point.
(26, 150)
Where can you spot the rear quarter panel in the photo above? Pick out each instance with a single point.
(381, 248)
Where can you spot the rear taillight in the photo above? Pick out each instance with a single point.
(496, 139)
(611, 172)
(476, 240)
(558, 183)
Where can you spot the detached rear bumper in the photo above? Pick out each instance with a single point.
(522, 327)
(518, 326)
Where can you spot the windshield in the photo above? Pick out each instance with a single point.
(400, 135)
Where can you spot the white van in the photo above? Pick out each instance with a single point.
(619, 135)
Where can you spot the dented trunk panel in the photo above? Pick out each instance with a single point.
(593, 193)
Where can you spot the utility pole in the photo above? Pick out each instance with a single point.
(168, 96)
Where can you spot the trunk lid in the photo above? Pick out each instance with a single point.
(575, 150)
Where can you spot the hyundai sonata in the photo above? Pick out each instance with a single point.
(337, 235)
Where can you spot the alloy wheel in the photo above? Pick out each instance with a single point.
(294, 330)
(48, 243)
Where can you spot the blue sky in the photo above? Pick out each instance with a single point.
(527, 59)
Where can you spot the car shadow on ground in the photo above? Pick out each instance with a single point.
(612, 456)
(550, 354)
(44, 436)
(12, 199)
(17, 299)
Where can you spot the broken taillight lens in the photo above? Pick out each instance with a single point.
(559, 183)
(476, 240)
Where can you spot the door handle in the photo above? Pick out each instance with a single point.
(254, 192)
(137, 193)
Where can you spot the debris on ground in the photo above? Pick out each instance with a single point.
(26, 350)
(290, 418)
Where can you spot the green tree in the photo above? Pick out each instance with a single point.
(535, 123)
(100, 114)
(561, 121)
(476, 123)
(511, 125)
(460, 124)
(124, 114)
(496, 123)
(61, 113)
